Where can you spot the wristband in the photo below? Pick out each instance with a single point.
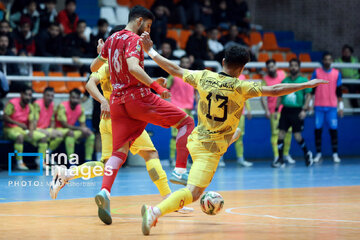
(157, 88)
(341, 105)
(101, 58)
(152, 53)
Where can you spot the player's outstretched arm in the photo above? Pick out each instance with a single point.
(287, 88)
(170, 67)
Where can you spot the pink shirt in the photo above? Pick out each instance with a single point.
(71, 115)
(182, 94)
(325, 94)
(45, 114)
(280, 76)
(20, 114)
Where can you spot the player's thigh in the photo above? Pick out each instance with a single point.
(142, 143)
(319, 117)
(36, 136)
(77, 134)
(124, 128)
(204, 165)
(331, 118)
(283, 122)
(153, 109)
(106, 139)
(13, 133)
(63, 131)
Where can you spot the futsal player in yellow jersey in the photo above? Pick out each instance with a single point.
(222, 97)
(142, 145)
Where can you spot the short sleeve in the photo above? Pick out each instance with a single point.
(61, 113)
(192, 77)
(82, 117)
(101, 74)
(9, 109)
(249, 89)
(133, 48)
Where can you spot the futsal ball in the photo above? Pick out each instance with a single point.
(211, 203)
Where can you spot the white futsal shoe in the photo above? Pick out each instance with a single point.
(58, 182)
(336, 158)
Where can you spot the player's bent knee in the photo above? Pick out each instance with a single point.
(148, 154)
(20, 139)
(195, 191)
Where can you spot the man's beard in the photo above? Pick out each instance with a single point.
(294, 73)
(141, 30)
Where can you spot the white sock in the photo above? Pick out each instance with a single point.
(107, 192)
(98, 156)
(156, 211)
(180, 170)
(20, 161)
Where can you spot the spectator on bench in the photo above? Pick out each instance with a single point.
(29, 12)
(23, 38)
(66, 116)
(19, 126)
(352, 73)
(45, 118)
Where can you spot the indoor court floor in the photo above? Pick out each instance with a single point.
(321, 202)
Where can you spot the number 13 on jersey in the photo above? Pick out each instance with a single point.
(222, 102)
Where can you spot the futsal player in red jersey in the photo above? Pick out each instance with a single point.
(132, 104)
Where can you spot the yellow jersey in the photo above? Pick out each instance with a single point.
(103, 75)
(220, 106)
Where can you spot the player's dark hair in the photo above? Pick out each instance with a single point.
(102, 22)
(48, 89)
(270, 61)
(236, 56)
(76, 91)
(25, 88)
(326, 54)
(81, 21)
(70, 1)
(185, 56)
(347, 46)
(139, 11)
(117, 28)
(295, 60)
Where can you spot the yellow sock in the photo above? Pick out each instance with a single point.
(287, 143)
(274, 138)
(158, 176)
(176, 201)
(88, 170)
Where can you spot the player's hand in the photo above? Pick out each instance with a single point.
(165, 94)
(162, 81)
(302, 115)
(341, 113)
(105, 110)
(100, 45)
(267, 114)
(249, 115)
(146, 41)
(23, 126)
(315, 82)
(85, 131)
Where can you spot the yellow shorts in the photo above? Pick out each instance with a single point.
(12, 133)
(204, 164)
(142, 143)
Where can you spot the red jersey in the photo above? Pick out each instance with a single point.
(119, 47)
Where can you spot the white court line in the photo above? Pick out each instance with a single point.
(183, 221)
(230, 210)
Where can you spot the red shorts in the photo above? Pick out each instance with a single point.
(130, 119)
